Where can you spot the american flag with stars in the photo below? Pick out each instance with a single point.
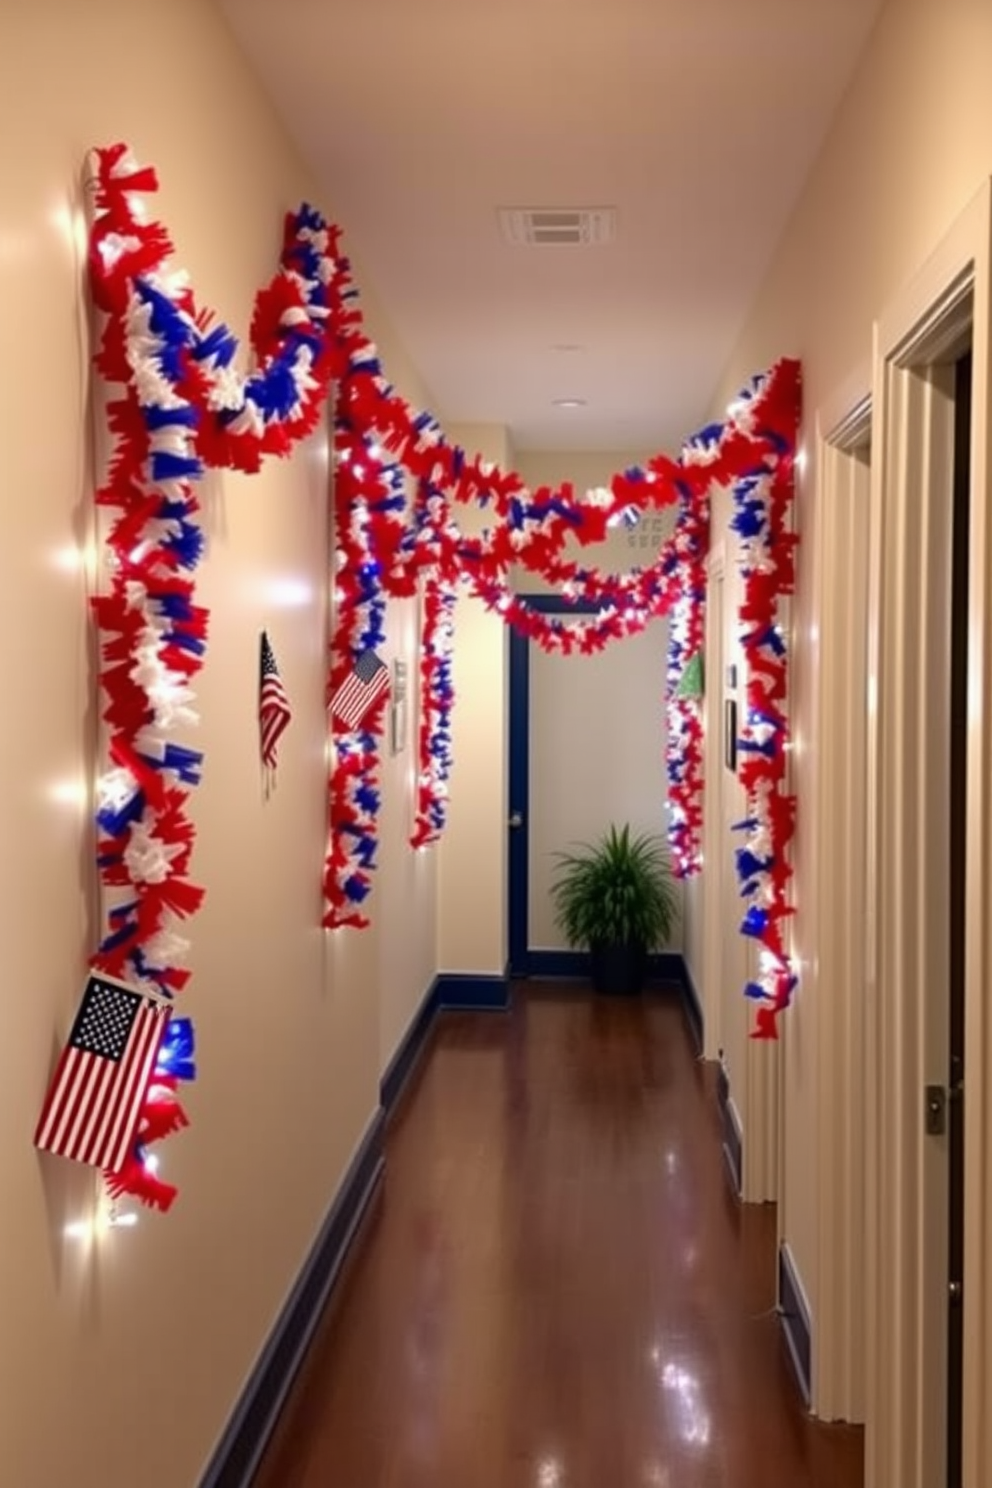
(365, 683)
(274, 711)
(94, 1100)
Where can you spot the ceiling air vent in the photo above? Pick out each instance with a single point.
(557, 227)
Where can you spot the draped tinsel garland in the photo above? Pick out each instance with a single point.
(761, 504)
(185, 406)
(531, 529)
(436, 701)
(363, 484)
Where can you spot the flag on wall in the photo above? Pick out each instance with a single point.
(274, 712)
(366, 682)
(691, 682)
(95, 1097)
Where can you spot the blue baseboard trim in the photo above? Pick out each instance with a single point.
(733, 1149)
(666, 966)
(237, 1456)
(794, 1317)
(412, 1045)
(470, 991)
(692, 1003)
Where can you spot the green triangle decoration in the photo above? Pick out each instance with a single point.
(691, 680)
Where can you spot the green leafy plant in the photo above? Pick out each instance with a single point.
(617, 891)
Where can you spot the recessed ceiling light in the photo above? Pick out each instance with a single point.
(570, 402)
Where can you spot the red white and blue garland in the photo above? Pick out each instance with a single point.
(531, 529)
(185, 407)
(753, 453)
(761, 509)
(434, 745)
(362, 484)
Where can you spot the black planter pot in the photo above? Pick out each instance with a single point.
(619, 970)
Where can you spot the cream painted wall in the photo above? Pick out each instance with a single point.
(404, 901)
(472, 853)
(909, 148)
(119, 1364)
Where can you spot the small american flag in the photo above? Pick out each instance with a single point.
(94, 1100)
(367, 681)
(274, 711)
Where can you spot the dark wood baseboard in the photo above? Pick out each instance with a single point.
(733, 1147)
(794, 1317)
(239, 1451)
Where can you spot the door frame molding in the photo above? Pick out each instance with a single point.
(523, 962)
(906, 1317)
(833, 904)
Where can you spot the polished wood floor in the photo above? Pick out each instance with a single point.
(555, 1288)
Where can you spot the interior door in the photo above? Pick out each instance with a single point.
(587, 749)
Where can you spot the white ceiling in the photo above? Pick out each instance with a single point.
(697, 120)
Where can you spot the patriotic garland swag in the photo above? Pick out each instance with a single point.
(184, 407)
(752, 452)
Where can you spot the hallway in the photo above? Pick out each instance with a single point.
(555, 1288)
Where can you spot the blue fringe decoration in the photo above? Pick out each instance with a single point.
(113, 823)
(168, 467)
(175, 1055)
(755, 922)
(188, 546)
(357, 889)
(749, 865)
(219, 345)
(165, 418)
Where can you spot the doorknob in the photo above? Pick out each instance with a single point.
(516, 819)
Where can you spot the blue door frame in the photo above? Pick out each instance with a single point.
(523, 961)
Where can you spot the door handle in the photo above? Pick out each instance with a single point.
(516, 819)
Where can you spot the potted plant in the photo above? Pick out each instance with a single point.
(618, 900)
